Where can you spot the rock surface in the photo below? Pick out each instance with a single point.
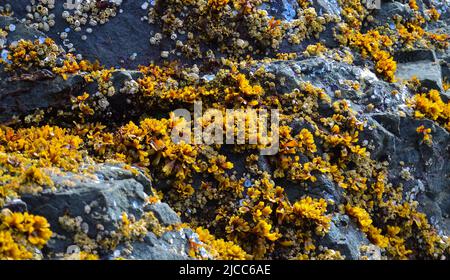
(345, 237)
(130, 35)
(87, 210)
(421, 64)
(24, 94)
(97, 201)
(391, 137)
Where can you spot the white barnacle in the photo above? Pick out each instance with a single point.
(164, 54)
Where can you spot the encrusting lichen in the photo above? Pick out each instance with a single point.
(218, 248)
(430, 105)
(28, 154)
(21, 234)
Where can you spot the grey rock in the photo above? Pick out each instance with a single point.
(409, 56)
(421, 64)
(99, 199)
(331, 75)
(16, 205)
(389, 9)
(164, 213)
(380, 139)
(20, 98)
(22, 31)
(396, 141)
(446, 72)
(263, 164)
(173, 245)
(325, 188)
(120, 77)
(345, 237)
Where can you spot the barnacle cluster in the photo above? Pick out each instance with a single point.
(27, 55)
(91, 13)
(39, 14)
(219, 22)
(126, 230)
(353, 12)
(308, 25)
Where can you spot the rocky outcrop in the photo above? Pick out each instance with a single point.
(172, 245)
(392, 137)
(88, 208)
(126, 29)
(421, 64)
(115, 211)
(421, 169)
(24, 94)
(345, 237)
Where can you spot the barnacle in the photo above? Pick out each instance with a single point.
(92, 13)
(26, 55)
(308, 24)
(132, 229)
(353, 12)
(6, 10)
